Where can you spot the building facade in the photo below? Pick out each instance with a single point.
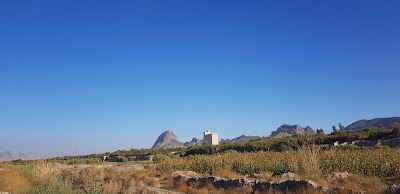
(211, 138)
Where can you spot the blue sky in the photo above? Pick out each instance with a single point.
(80, 77)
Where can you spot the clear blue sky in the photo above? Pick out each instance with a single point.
(94, 76)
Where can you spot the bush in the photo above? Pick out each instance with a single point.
(160, 157)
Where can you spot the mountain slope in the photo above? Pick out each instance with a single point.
(377, 122)
(289, 130)
(167, 139)
(242, 138)
(193, 142)
(8, 156)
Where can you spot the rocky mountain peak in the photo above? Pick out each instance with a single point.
(289, 130)
(167, 139)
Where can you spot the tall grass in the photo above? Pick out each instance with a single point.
(308, 158)
(45, 178)
(311, 161)
(49, 178)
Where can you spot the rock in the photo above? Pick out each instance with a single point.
(290, 176)
(257, 185)
(167, 139)
(377, 122)
(338, 176)
(185, 174)
(216, 182)
(393, 189)
(289, 130)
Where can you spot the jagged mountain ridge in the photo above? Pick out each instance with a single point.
(193, 142)
(242, 138)
(169, 140)
(377, 122)
(289, 130)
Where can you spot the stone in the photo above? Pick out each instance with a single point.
(392, 189)
(289, 130)
(167, 139)
(338, 176)
(290, 176)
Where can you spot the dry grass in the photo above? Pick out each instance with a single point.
(180, 185)
(308, 159)
(11, 179)
(226, 173)
(42, 177)
(360, 183)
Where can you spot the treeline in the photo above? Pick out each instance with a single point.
(296, 141)
(255, 145)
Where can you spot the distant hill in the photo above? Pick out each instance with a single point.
(167, 139)
(193, 142)
(377, 122)
(8, 156)
(242, 138)
(289, 130)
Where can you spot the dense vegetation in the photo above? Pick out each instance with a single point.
(383, 162)
(256, 145)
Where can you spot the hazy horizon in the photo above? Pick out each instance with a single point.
(95, 76)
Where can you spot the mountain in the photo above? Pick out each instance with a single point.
(377, 122)
(167, 139)
(193, 142)
(8, 156)
(289, 130)
(242, 138)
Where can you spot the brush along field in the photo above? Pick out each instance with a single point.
(369, 171)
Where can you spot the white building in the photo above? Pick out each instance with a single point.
(211, 138)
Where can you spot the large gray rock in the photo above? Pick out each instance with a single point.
(283, 186)
(377, 122)
(289, 130)
(167, 139)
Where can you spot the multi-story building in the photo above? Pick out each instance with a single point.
(211, 138)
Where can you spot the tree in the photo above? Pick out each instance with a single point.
(396, 131)
(334, 129)
(320, 132)
(341, 127)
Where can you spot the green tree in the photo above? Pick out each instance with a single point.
(396, 132)
(334, 129)
(320, 132)
(341, 127)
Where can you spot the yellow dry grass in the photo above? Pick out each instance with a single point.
(226, 173)
(11, 179)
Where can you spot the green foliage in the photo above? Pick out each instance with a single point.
(320, 132)
(160, 157)
(256, 145)
(20, 162)
(377, 162)
(122, 159)
(396, 131)
(341, 127)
